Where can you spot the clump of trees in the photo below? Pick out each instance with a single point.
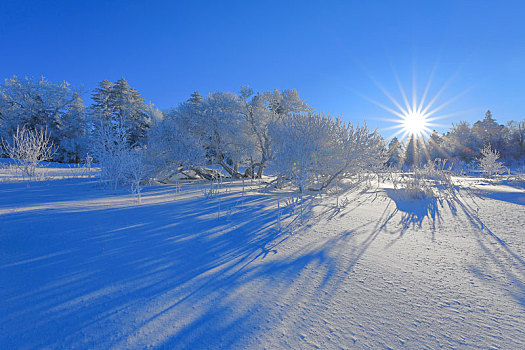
(253, 131)
(32, 104)
(225, 129)
(462, 144)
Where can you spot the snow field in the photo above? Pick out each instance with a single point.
(84, 268)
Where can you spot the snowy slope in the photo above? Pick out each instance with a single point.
(83, 268)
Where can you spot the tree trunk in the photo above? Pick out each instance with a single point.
(233, 173)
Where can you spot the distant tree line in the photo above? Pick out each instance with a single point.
(242, 132)
(462, 144)
(60, 110)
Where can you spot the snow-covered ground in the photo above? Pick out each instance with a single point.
(81, 267)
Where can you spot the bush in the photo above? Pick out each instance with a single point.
(28, 148)
(432, 180)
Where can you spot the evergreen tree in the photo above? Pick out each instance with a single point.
(488, 131)
(101, 108)
(515, 141)
(72, 132)
(195, 99)
(395, 153)
(118, 104)
(459, 143)
(130, 110)
(412, 153)
(435, 147)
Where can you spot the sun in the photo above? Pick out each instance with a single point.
(414, 123)
(415, 116)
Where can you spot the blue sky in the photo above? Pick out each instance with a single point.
(332, 52)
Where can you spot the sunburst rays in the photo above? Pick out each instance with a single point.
(419, 114)
(416, 113)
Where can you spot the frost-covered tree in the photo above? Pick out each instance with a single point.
(413, 152)
(101, 108)
(72, 132)
(258, 116)
(172, 146)
(435, 148)
(459, 143)
(136, 170)
(36, 104)
(110, 148)
(222, 131)
(314, 151)
(515, 141)
(262, 110)
(29, 147)
(488, 131)
(285, 102)
(299, 142)
(118, 103)
(222, 128)
(489, 163)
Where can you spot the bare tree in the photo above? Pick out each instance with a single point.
(136, 170)
(28, 148)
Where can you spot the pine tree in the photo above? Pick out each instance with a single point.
(118, 104)
(395, 153)
(412, 153)
(72, 132)
(101, 107)
(488, 131)
(434, 147)
(195, 98)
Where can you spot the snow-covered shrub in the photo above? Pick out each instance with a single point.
(28, 148)
(136, 170)
(410, 186)
(434, 179)
(119, 162)
(488, 162)
(440, 173)
(315, 152)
